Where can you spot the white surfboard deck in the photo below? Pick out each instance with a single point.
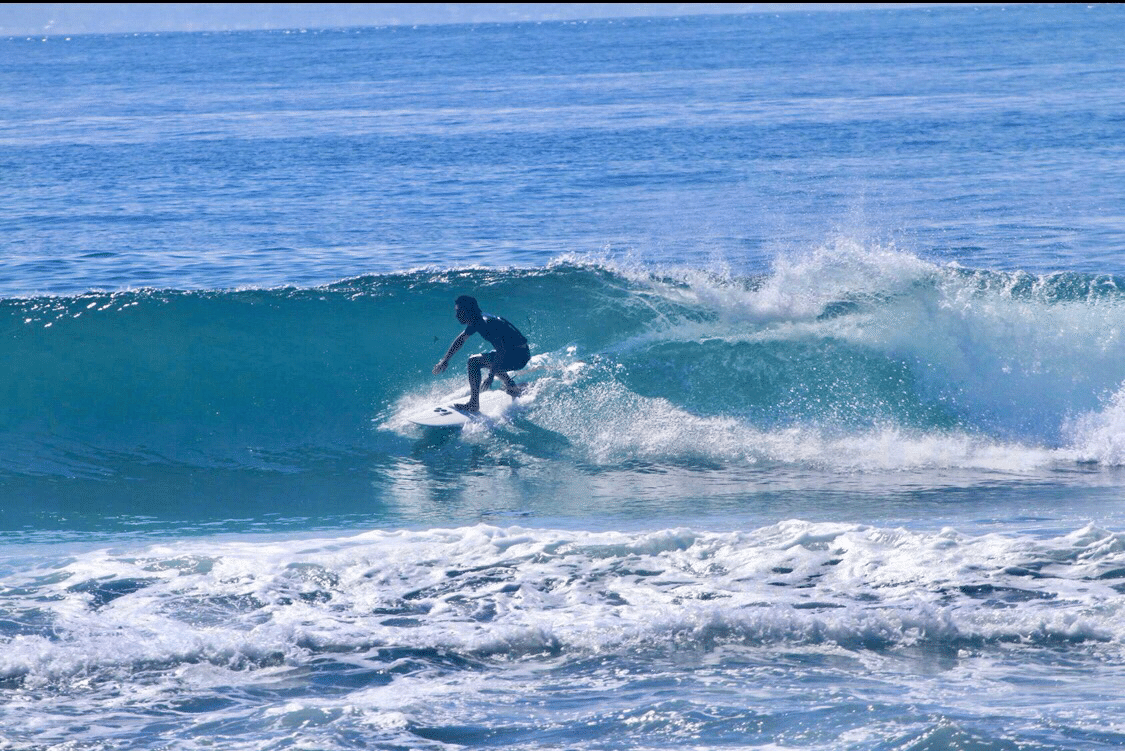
(445, 415)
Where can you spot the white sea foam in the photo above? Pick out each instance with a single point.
(412, 629)
(608, 424)
(1099, 436)
(1014, 358)
(487, 591)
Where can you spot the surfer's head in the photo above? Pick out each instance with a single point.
(467, 309)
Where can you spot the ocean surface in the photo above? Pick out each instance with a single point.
(823, 442)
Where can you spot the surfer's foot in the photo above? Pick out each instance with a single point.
(514, 389)
(468, 407)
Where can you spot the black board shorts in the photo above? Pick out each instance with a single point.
(513, 359)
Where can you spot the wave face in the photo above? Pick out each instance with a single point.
(847, 359)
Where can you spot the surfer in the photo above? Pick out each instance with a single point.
(511, 351)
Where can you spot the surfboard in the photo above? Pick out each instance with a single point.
(445, 415)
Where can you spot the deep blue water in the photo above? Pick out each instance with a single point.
(823, 438)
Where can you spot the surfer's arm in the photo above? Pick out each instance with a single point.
(444, 362)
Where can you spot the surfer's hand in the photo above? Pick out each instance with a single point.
(440, 367)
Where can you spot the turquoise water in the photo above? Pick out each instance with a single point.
(822, 439)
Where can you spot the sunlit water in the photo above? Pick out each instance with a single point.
(822, 440)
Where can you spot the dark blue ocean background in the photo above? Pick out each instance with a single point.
(822, 442)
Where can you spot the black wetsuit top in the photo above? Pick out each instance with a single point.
(506, 338)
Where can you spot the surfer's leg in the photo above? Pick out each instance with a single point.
(490, 360)
(514, 360)
(476, 363)
(512, 388)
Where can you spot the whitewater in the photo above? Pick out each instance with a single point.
(822, 438)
